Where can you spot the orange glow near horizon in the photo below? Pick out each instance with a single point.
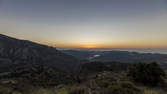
(106, 46)
(93, 43)
(89, 46)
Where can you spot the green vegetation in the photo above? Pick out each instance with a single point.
(101, 78)
(78, 90)
(124, 87)
(95, 67)
(148, 74)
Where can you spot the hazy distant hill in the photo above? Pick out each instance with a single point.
(84, 55)
(119, 56)
(14, 52)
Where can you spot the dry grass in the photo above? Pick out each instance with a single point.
(150, 92)
(153, 91)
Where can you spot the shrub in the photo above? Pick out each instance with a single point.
(4, 90)
(62, 91)
(148, 74)
(102, 83)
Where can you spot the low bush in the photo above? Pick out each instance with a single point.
(103, 83)
(146, 73)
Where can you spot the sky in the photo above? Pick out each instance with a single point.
(87, 23)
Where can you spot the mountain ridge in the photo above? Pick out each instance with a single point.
(20, 52)
(118, 56)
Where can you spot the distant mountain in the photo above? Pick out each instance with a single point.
(118, 56)
(15, 52)
(80, 54)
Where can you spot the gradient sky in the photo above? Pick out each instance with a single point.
(87, 23)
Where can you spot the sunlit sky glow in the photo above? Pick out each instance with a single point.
(87, 23)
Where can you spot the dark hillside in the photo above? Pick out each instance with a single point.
(14, 52)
